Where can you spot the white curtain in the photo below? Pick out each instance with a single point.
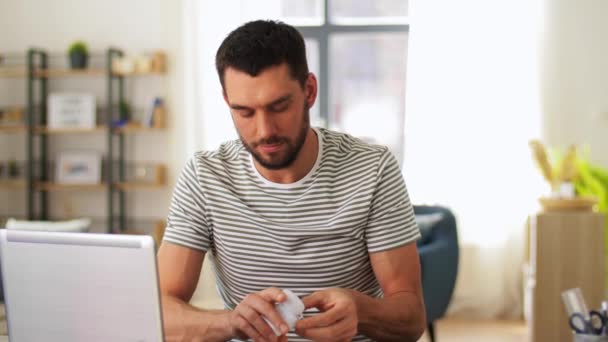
(472, 104)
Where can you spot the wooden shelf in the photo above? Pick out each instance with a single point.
(47, 130)
(53, 73)
(12, 184)
(129, 129)
(13, 72)
(139, 186)
(98, 129)
(13, 128)
(50, 186)
(138, 73)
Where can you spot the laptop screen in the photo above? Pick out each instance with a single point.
(80, 287)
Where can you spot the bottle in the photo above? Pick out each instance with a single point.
(158, 114)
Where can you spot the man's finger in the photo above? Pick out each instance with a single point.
(263, 304)
(273, 294)
(246, 328)
(253, 318)
(314, 300)
(320, 320)
(337, 331)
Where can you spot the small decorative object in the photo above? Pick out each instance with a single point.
(71, 110)
(564, 179)
(159, 62)
(13, 169)
(79, 55)
(157, 117)
(123, 65)
(11, 116)
(14, 115)
(146, 173)
(79, 168)
(125, 111)
(143, 64)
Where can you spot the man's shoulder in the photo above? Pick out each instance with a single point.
(228, 152)
(346, 144)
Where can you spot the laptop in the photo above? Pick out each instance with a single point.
(80, 287)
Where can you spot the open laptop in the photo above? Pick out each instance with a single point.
(80, 287)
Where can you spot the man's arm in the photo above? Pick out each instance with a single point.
(399, 316)
(179, 270)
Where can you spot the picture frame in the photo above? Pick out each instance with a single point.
(78, 167)
(71, 110)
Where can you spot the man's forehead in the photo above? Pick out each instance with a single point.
(268, 85)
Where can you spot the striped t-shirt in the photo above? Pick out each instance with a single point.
(306, 236)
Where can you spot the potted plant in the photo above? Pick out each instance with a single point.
(79, 54)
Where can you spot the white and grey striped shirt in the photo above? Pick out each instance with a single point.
(310, 235)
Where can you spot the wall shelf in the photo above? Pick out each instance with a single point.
(13, 72)
(58, 73)
(51, 186)
(138, 129)
(12, 184)
(47, 130)
(13, 128)
(126, 186)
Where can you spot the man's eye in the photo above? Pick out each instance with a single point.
(244, 113)
(280, 108)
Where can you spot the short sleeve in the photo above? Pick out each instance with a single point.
(391, 221)
(187, 223)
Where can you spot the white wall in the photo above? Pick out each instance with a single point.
(136, 26)
(575, 75)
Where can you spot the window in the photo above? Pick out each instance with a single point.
(358, 50)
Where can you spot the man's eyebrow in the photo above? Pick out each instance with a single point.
(280, 100)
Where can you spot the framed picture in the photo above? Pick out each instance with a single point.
(71, 110)
(78, 168)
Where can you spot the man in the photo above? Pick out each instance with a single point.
(288, 206)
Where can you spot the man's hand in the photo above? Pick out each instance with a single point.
(246, 319)
(338, 318)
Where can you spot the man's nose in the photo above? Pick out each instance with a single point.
(266, 125)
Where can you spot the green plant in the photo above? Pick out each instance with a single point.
(78, 47)
(125, 110)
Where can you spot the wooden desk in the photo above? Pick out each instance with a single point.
(566, 251)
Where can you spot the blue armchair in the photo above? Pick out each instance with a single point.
(438, 249)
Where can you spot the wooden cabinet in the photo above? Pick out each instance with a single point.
(566, 251)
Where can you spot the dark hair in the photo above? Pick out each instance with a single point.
(260, 44)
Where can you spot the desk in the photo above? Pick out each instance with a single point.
(566, 251)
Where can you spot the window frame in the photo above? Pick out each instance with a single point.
(322, 33)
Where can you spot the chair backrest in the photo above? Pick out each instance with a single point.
(439, 261)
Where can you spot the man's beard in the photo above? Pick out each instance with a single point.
(291, 152)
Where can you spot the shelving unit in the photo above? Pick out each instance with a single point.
(39, 184)
(13, 71)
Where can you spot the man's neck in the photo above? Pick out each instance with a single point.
(304, 162)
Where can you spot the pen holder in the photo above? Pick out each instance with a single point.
(590, 338)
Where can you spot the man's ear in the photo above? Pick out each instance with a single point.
(310, 89)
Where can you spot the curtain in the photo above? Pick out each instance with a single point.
(472, 105)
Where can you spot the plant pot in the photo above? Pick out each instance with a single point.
(78, 60)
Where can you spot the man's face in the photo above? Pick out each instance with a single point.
(270, 113)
